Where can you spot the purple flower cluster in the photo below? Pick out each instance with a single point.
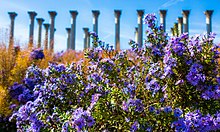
(195, 75)
(133, 104)
(21, 93)
(177, 45)
(135, 126)
(81, 119)
(153, 86)
(150, 20)
(211, 92)
(24, 114)
(195, 121)
(37, 54)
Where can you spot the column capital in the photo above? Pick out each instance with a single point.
(12, 15)
(73, 13)
(40, 21)
(208, 13)
(186, 13)
(140, 13)
(32, 14)
(136, 29)
(163, 13)
(52, 14)
(117, 13)
(68, 30)
(95, 13)
(46, 25)
(180, 19)
(85, 29)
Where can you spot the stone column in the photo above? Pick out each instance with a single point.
(163, 14)
(140, 14)
(86, 35)
(175, 27)
(32, 16)
(95, 20)
(73, 29)
(68, 30)
(52, 28)
(180, 25)
(185, 14)
(40, 22)
(208, 14)
(12, 16)
(136, 34)
(117, 29)
(46, 26)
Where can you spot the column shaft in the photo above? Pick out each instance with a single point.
(46, 26)
(95, 20)
(86, 34)
(12, 16)
(68, 30)
(40, 22)
(52, 29)
(208, 14)
(180, 25)
(136, 34)
(32, 16)
(163, 14)
(73, 29)
(117, 29)
(140, 27)
(185, 21)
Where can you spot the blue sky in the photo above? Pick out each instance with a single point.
(106, 19)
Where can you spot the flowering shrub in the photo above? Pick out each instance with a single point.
(171, 84)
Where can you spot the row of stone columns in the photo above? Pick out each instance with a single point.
(183, 22)
(40, 21)
(71, 39)
(72, 32)
(183, 26)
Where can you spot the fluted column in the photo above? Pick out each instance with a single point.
(185, 14)
(12, 16)
(68, 30)
(32, 16)
(180, 25)
(86, 35)
(46, 26)
(52, 29)
(163, 14)
(140, 14)
(136, 34)
(117, 29)
(208, 14)
(40, 22)
(73, 29)
(95, 20)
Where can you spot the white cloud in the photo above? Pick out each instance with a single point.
(170, 3)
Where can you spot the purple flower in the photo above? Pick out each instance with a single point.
(153, 86)
(178, 112)
(151, 109)
(195, 76)
(135, 126)
(167, 109)
(37, 54)
(134, 104)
